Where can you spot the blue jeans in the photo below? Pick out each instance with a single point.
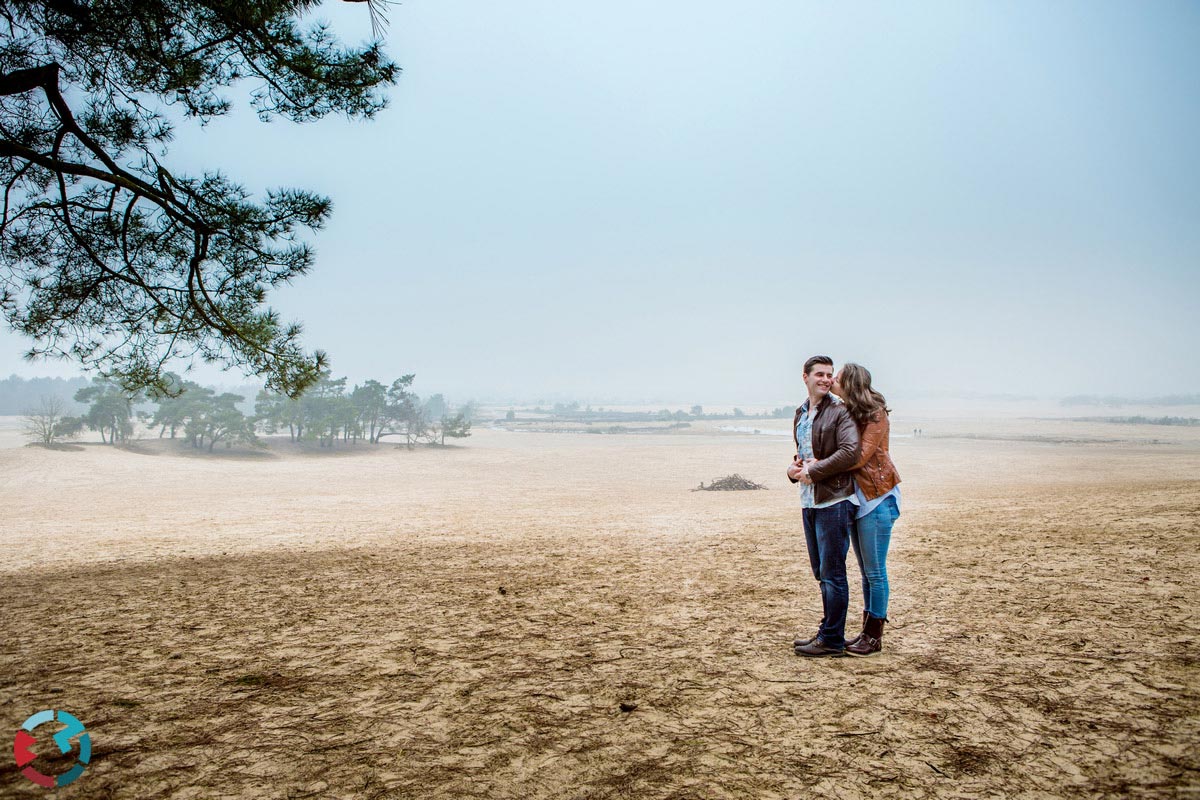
(872, 535)
(827, 532)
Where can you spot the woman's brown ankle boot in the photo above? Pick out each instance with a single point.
(871, 641)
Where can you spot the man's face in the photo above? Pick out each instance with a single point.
(819, 381)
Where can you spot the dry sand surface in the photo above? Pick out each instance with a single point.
(472, 621)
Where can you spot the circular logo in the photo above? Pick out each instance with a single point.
(25, 740)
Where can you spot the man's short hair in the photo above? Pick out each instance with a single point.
(812, 362)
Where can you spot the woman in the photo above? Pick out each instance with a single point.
(878, 491)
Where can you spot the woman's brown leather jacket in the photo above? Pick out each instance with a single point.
(874, 471)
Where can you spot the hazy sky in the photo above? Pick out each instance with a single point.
(684, 200)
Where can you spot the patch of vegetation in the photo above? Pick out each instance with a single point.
(253, 679)
(730, 483)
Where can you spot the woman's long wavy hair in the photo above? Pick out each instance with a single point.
(864, 403)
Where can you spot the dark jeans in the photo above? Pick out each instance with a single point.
(827, 532)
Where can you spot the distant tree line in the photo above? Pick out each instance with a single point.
(326, 414)
(1113, 400)
(1140, 420)
(573, 412)
(18, 395)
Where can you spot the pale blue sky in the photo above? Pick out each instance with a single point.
(684, 200)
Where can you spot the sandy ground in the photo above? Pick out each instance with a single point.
(469, 622)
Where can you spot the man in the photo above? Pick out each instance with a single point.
(827, 446)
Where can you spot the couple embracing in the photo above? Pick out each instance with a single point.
(849, 495)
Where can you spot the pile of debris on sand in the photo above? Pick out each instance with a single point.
(730, 483)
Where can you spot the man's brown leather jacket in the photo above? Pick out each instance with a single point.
(836, 447)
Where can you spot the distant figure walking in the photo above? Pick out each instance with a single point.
(877, 489)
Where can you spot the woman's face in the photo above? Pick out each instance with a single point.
(837, 384)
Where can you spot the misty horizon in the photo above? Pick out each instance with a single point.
(249, 389)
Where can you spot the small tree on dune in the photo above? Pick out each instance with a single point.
(456, 427)
(110, 411)
(226, 422)
(50, 422)
(173, 409)
(370, 405)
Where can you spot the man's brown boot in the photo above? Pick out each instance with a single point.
(818, 648)
(871, 641)
(799, 642)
